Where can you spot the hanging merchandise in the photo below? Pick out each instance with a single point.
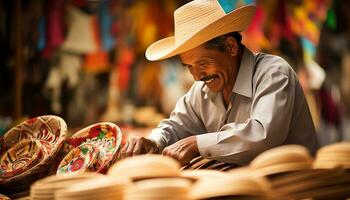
(126, 58)
(54, 33)
(147, 82)
(68, 69)
(277, 24)
(151, 20)
(306, 23)
(105, 21)
(112, 112)
(173, 78)
(70, 65)
(80, 38)
(331, 20)
(308, 18)
(253, 36)
(42, 36)
(52, 89)
(96, 62)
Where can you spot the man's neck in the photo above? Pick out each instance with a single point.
(227, 92)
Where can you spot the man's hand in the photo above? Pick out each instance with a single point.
(138, 145)
(183, 151)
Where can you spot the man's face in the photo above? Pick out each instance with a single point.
(216, 68)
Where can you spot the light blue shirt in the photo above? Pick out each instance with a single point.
(267, 108)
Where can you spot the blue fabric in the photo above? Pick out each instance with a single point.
(308, 47)
(42, 35)
(106, 21)
(228, 5)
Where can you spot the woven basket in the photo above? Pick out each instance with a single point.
(107, 136)
(51, 131)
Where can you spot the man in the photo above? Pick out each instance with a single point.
(241, 103)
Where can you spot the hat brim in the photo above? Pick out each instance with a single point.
(235, 21)
(282, 168)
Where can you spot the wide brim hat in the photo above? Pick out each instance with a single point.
(198, 22)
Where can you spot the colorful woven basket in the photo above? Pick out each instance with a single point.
(49, 132)
(105, 135)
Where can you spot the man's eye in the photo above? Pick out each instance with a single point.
(202, 63)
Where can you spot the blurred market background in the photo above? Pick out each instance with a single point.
(84, 60)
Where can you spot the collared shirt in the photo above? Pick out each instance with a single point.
(267, 108)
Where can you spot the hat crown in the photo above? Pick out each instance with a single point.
(194, 16)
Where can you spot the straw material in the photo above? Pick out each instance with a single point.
(230, 186)
(282, 159)
(303, 184)
(46, 188)
(100, 188)
(333, 156)
(198, 22)
(201, 174)
(145, 166)
(159, 188)
(329, 178)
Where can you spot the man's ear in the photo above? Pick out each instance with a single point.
(232, 46)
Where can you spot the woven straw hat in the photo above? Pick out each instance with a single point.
(198, 22)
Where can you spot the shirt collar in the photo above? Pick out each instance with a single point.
(243, 84)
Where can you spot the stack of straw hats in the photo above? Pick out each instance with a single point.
(152, 177)
(329, 178)
(294, 174)
(314, 184)
(284, 172)
(29, 150)
(282, 159)
(105, 188)
(332, 156)
(47, 187)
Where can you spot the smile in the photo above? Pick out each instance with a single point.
(209, 79)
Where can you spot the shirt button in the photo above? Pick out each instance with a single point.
(208, 154)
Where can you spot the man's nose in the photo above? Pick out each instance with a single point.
(196, 76)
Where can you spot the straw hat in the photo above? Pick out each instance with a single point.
(230, 186)
(333, 156)
(144, 167)
(46, 188)
(159, 188)
(282, 159)
(198, 22)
